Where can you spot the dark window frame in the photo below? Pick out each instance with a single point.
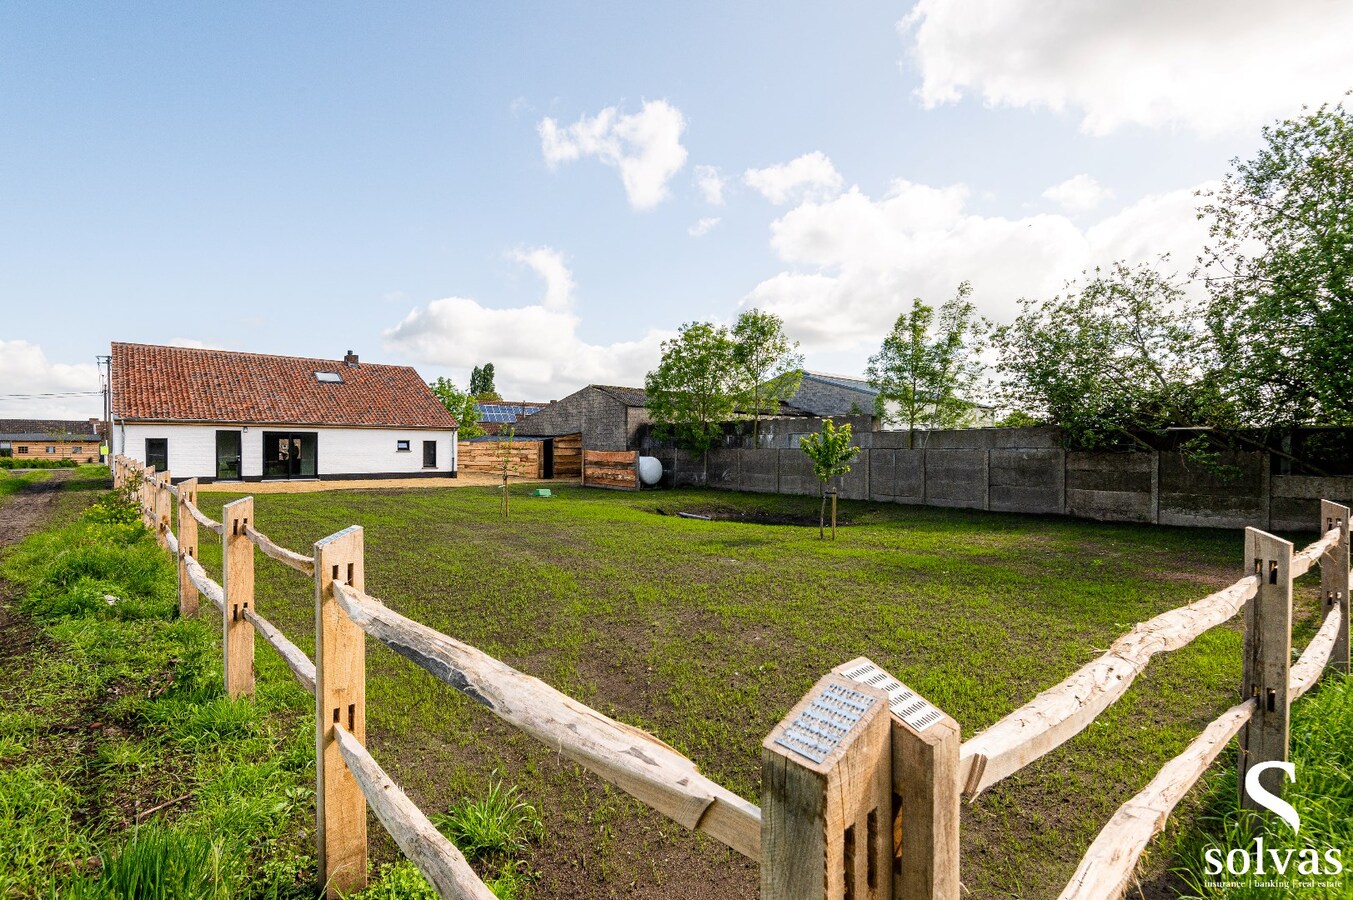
(429, 445)
(404, 446)
(158, 459)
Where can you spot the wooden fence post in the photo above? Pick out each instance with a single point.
(187, 547)
(926, 793)
(826, 797)
(340, 697)
(164, 505)
(147, 483)
(1268, 659)
(237, 567)
(1334, 580)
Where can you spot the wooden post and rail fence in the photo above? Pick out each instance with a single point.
(861, 781)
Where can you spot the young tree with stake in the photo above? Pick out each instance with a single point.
(831, 452)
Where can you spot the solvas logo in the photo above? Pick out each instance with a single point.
(1274, 861)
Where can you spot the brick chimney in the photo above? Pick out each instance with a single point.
(350, 360)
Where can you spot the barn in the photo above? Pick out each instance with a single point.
(219, 415)
(608, 417)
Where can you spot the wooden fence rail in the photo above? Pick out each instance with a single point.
(828, 792)
(632, 759)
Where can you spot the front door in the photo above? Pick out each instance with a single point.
(429, 454)
(228, 456)
(289, 454)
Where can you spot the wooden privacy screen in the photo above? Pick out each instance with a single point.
(617, 469)
(527, 458)
(568, 456)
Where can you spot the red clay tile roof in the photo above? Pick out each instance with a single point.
(179, 384)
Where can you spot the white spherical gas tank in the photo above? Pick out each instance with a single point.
(650, 470)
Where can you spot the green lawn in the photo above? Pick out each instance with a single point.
(705, 633)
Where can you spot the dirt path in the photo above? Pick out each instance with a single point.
(30, 508)
(20, 515)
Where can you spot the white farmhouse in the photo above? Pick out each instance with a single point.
(217, 415)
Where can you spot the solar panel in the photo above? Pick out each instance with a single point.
(502, 413)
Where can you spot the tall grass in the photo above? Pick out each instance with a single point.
(161, 864)
(122, 709)
(1322, 751)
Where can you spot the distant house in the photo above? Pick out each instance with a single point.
(498, 416)
(51, 439)
(608, 417)
(218, 415)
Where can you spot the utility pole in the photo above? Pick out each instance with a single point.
(106, 378)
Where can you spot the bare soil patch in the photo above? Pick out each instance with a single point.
(27, 510)
(715, 513)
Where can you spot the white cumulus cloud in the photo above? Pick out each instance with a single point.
(25, 372)
(809, 177)
(710, 182)
(644, 146)
(704, 226)
(1211, 66)
(536, 350)
(854, 263)
(1078, 194)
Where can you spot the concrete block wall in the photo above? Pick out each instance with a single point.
(1192, 495)
(1116, 487)
(1023, 470)
(1294, 500)
(1026, 481)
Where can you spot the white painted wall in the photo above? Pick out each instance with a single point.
(340, 451)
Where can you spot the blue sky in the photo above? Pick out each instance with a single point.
(449, 184)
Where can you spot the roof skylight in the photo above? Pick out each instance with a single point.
(329, 377)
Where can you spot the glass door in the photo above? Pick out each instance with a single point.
(289, 454)
(228, 456)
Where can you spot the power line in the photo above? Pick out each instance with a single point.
(51, 394)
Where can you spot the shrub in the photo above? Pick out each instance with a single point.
(23, 462)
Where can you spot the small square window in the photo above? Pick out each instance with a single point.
(401, 446)
(23, 448)
(75, 450)
(51, 449)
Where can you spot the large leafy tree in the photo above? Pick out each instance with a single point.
(460, 405)
(831, 453)
(1114, 356)
(927, 368)
(767, 366)
(692, 391)
(1279, 269)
